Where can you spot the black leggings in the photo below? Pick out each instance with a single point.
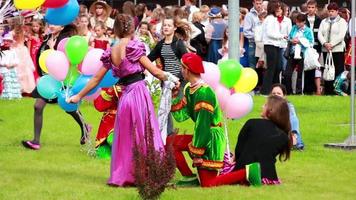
(271, 76)
(39, 106)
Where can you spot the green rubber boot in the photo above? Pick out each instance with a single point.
(253, 174)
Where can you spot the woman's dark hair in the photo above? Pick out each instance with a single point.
(281, 86)
(123, 25)
(272, 7)
(333, 6)
(278, 113)
(301, 17)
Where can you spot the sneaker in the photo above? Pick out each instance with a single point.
(253, 174)
(31, 145)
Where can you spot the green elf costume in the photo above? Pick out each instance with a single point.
(207, 145)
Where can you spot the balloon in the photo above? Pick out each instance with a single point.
(92, 63)
(222, 93)
(108, 80)
(211, 76)
(28, 4)
(42, 59)
(238, 105)
(76, 49)
(54, 3)
(81, 82)
(230, 72)
(92, 97)
(247, 81)
(48, 87)
(68, 107)
(72, 76)
(62, 44)
(63, 15)
(57, 65)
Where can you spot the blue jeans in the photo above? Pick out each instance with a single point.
(252, 60)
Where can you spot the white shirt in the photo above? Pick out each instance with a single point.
(271, 31)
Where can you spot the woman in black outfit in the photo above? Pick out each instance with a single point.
(262, 140)
(51, 42)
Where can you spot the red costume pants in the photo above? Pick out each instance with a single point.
(208, 178)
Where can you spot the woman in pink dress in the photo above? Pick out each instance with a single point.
(128, 61)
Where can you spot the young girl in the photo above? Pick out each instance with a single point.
(84, 27)
(262, 140)
(8, 62)
(145, 35)
(35, 41)
(100, 40)
(128, 61)
(280, 90)
(26, 67)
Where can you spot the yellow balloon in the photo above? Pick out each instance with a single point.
(247, 82)
(28, 4)
(42, 59)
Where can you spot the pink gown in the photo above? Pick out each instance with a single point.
(137, 108)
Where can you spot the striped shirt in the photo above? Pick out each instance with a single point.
(171, 62)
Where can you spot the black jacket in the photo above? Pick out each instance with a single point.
(260, 140)
(177, 45)
(317, 45)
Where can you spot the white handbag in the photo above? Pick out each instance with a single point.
(311, 60)
(329, 71)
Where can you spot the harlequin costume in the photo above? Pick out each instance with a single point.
(106, 102)
(207, 144)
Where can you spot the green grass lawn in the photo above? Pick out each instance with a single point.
(62, 168)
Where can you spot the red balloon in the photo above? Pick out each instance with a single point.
(54, 3)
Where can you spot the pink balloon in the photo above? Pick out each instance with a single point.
(238, 105)
(211, 75)
(57, 65)
(92, 63)
(93, 96)
(223, 94)
(80, 65)
(62, 44)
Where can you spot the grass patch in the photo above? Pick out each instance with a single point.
(63, 170)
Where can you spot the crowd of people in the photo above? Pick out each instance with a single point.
(171, 44)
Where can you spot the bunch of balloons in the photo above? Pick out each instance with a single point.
(69, 68)
(231, 83)
(59, 12)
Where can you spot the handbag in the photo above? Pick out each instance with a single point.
(329, 72)
(287, 54)
(311, 59)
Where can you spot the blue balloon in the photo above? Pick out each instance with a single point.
(63, 15)
(81, 82)
(108, 80)
(48, 87)
(68, 107)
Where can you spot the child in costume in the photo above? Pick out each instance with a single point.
(128, 61)
(262, 140)
(8, 63)
(207, 145)
(106, 103)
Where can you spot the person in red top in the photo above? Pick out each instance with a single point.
(35, 41)
(106, 102)
(100, 41)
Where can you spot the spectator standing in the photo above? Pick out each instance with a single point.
(100, 11)
(250, 22)
(313, 76)
(272, 38)
(331, 35)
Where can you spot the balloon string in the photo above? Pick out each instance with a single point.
(227, 138)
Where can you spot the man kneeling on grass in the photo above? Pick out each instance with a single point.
(207, 145)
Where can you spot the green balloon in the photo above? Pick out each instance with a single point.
(230, 71)
(72, 76)
(110, 138)
(76, 49)
(48, 87)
